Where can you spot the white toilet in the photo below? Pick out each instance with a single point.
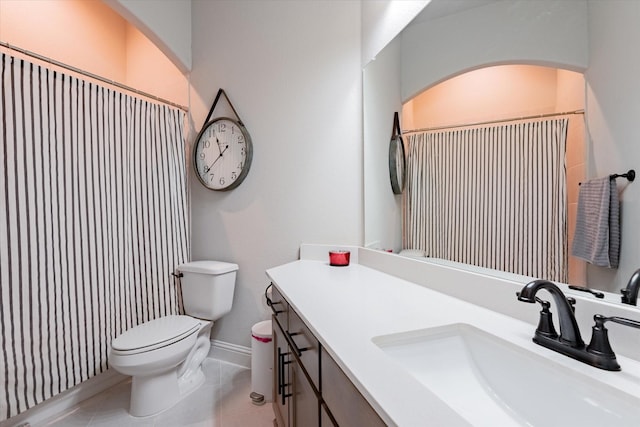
(164, 356)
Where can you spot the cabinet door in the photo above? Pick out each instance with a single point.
(306, 347)
(282, 384)
(347, 405)
(325, 418)
(306, 403)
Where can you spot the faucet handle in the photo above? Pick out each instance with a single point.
(615, 319)
(545, 304)
(545, 324)
(585, 289)
(600, 345)
(600, 337)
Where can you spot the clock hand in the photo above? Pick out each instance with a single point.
(217, 158)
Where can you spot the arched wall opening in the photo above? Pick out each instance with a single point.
(513, 91)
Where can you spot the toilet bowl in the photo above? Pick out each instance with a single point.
(164, 356)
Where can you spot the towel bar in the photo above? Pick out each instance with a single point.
(631, 175)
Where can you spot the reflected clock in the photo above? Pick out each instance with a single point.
(396, 158)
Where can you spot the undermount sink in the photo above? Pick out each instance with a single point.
(492, 382)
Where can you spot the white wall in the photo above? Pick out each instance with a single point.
(292, 71)
(382, 20)
(93, 37)
(381, 98)
(166, 23)
(613, 108)
(89, 36)
(541, 32)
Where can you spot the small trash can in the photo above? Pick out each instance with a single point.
(261, 362)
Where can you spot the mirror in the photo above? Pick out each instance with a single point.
(451, 37)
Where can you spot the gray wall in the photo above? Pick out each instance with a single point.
(613, 108)
(292, 71)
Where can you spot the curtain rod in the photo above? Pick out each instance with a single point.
(91, 75)
(538, 116)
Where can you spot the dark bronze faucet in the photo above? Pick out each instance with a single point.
(598, 353)
(569, 331)
(630, 293)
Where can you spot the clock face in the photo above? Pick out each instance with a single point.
(222, 154)
(397, 165)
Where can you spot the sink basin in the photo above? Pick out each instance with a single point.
(492, 382)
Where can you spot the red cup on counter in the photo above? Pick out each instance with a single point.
(339, 258)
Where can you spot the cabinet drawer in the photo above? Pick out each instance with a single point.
(280, 307)
(306, 347)
(346, 404)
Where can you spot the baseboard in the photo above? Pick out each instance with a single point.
(66, 400)
(232, 353)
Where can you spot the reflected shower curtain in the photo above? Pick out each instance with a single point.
(93, 221)
(493, 197)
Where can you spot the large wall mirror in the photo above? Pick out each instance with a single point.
(467, 61)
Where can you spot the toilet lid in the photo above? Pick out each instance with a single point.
(156, 333)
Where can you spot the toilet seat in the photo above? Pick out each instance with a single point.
(155, 334)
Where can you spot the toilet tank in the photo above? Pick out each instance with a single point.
(207, 288)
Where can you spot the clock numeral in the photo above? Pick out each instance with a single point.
(233, 176)
(202, 155)
(211, 177)
(205, 169)
(240, 139)
(240, 165)
(206, 143)
(222, 181)
(222, 127)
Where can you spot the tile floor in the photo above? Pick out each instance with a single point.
(222, 401)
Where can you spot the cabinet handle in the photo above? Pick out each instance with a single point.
(273, 308)
(281, 375)
(272, 303)
(293, 344)
(279, 368)
(284, 384)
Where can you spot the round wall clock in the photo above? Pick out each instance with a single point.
(222, 154)
(396, 164)
(396, 158)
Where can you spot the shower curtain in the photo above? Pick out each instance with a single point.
(93, 221)
(492, 197)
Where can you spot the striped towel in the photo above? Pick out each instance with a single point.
(597, 234)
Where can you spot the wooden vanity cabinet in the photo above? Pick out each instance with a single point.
(309, 388)
(296, 360)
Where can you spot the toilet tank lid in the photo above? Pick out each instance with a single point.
(208, 267)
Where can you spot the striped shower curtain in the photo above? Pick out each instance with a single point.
(93, 221)
(492, 197)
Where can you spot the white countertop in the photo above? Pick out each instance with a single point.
(346, 307)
